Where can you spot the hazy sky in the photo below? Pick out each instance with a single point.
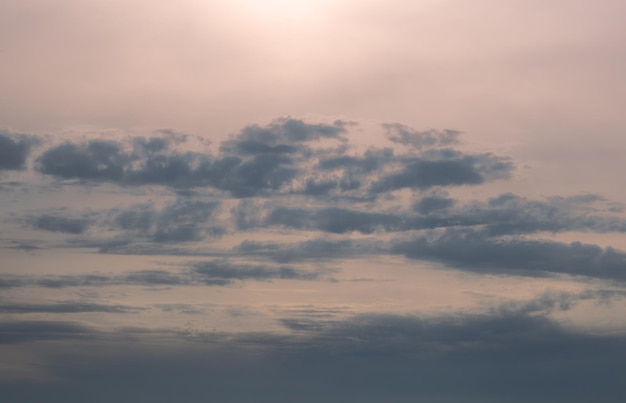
(338, 201)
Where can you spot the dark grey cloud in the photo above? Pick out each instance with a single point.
(23, 245)
(222, 270)
(335, 220)
(284, 157)
(26, 331)
(256, 160)
(477, 252)
(66, 307)
(249, 177)
(371, 160)
(219, 272)
(510, 214)
(153, 277)
(506, 214)
(445, 168)
(315, 250)
(57, 223)
(15, 149)
(180, 221)
(96, 160)
(430, 204)
(399, 133)
(505, 355)
(281, 136)
(513, 214)
(139, 277)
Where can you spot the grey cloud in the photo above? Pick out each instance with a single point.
(260, 161)
(153, 277)
(402, 134)
(508, 356)
(552, 301)
(251, 147)
(262, 172)
(503, 215)
(300, 324)
(25, 331)
(475, 251)
(257, 160)
(450, 168)
(176, 170)
(151, 145)
(281, 136)
(313, 188)
(23, 245)
(14, 150)
(180, 221)
(11, 282)
(430, 204)
(315, 249)
(56, 223)
(68, 281)
(139, 277)
(213, 273)
(96, 160)
(247, 214)
(335, 220)
(371, 160)
(182, 308)
(512, 214)
(66, 307)
(224, 270)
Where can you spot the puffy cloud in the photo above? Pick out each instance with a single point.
(285, 157)
(430, 204)
(399, 133)
(181, 221)
(445, 168)
(15, 149)
(476, 251)
(95, 160)
(58, 223)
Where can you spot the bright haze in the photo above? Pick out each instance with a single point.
(312, 201)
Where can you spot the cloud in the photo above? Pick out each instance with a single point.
(222, 270)
(314, 249)
(56, 223)
(445, 168)
(506, 214)
(257, 160)
(477, 252)
(335, 220)
(14, 150)
(429, 204)
(96, 160)
(66, 307)
(286, 157)
(284, 135)
(399, 133)
(26, 331)
(509, 214)
(298, 176)
(180, 221)
(503, 355)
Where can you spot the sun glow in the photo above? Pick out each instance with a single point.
(283, 9)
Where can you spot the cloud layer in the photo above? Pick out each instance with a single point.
(246, 259)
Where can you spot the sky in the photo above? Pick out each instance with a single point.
(312, 201)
